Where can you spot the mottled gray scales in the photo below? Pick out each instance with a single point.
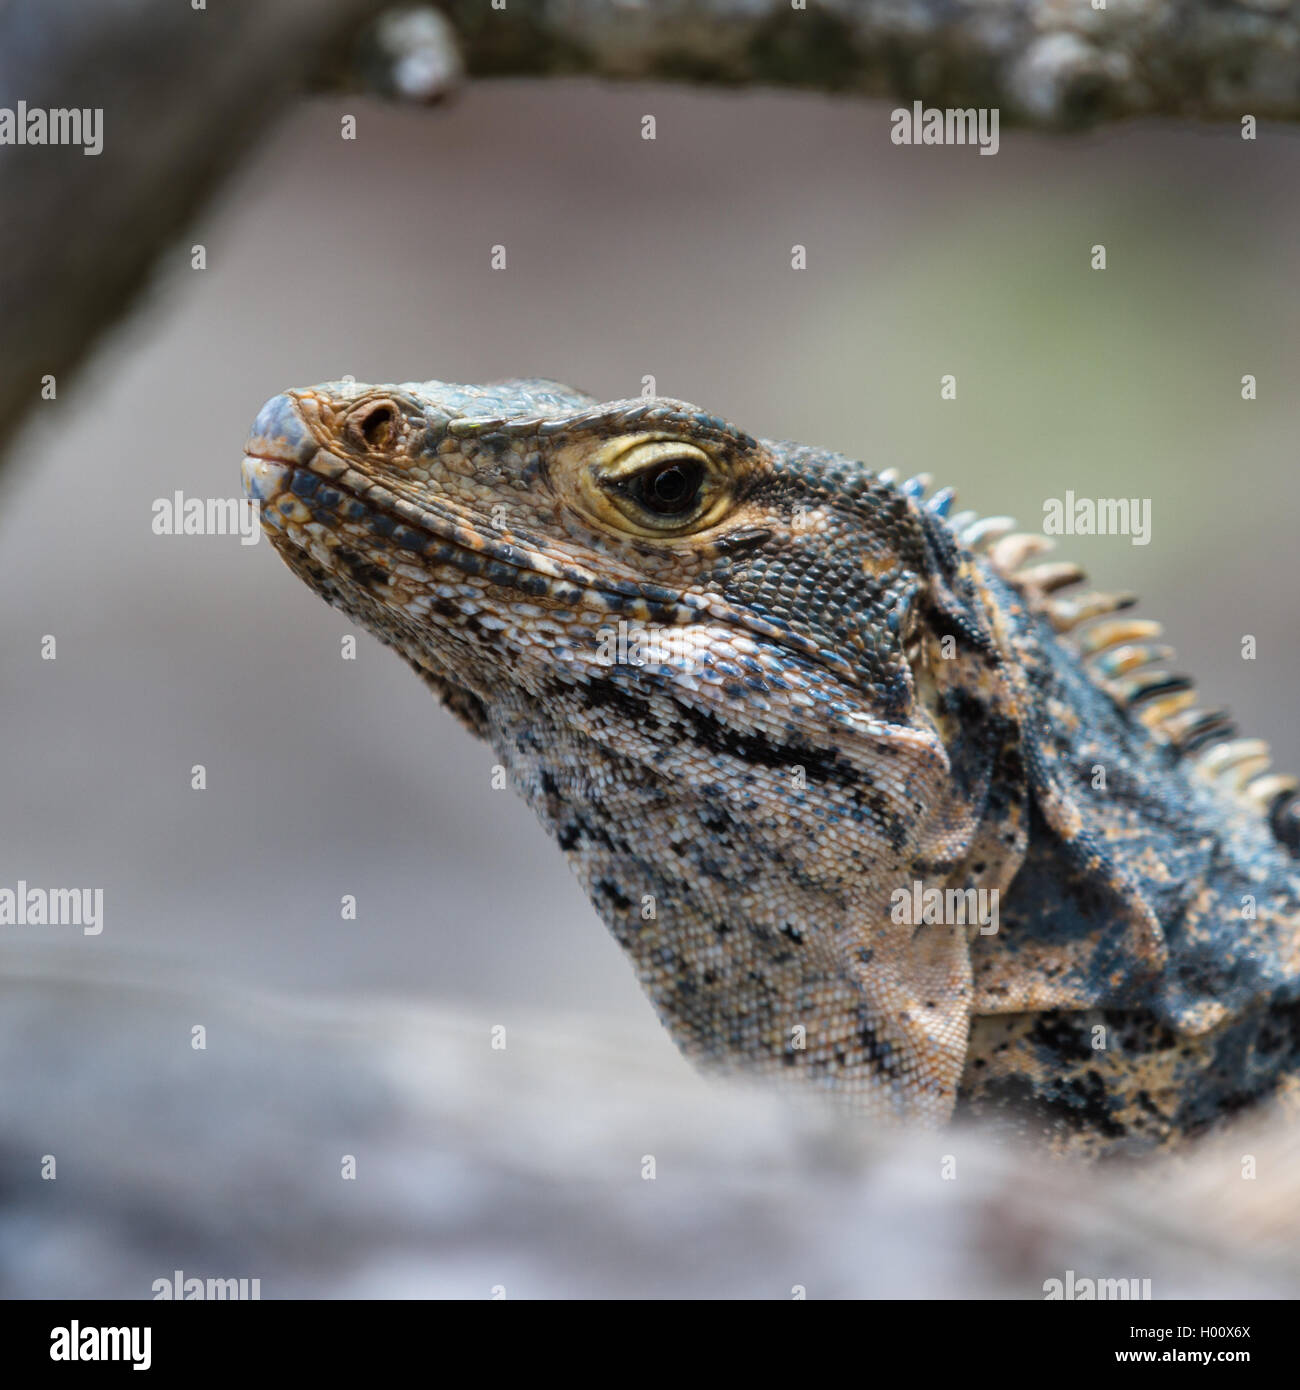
(764, 696)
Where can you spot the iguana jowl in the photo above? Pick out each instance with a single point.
(827, 695)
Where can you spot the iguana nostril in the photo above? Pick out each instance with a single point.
(374, 425)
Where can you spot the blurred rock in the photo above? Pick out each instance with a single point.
(523, 1167)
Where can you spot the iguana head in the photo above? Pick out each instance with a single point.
(708, 663)
(528, 495)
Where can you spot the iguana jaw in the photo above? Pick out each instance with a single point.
(356, 514)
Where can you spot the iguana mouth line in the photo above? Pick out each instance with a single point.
(432, 539)
(446, 541)
(408, 522)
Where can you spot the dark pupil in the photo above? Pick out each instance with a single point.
(672, 488)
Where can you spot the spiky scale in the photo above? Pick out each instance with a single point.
(981, 534)
(1147, 685)
(941, 503)
(1219, 760)
(1048, 578)
(1116, 661)
(1011, 552)
(1065, 614)
(1195, 728)
(1110, 634)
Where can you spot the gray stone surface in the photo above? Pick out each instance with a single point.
(524, 1168)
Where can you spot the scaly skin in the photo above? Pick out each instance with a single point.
(845, 698)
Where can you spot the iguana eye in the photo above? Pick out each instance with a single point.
(669, 488)
(655, 487)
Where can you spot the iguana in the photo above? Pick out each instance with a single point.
(793, 721)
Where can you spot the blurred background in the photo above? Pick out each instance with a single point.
(626, 258)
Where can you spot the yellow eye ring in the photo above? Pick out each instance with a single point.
(657, 486)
